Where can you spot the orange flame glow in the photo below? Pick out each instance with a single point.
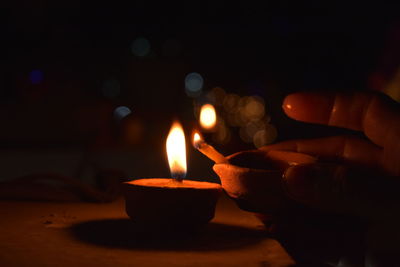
(196, 139)
(176, 151)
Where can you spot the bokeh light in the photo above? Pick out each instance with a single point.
(247, 113)
(216, 96)
(36, 76)
(223, 134)
(230, 103)
(193, 84)
(121, 112)
(254, 126)
(244, 136)
(254, 108)
(233, 119)
(140, 47)
(248, 131)
(111, 88)
(208, 117)
(265, 137)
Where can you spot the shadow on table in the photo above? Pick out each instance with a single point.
(316, 239)
(124, 233)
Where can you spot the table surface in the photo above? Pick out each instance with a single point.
(86, 234)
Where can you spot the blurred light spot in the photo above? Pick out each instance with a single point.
(266, 136)
(223, 134)
(208, 117)
(242, 116)
(171, 48)
(244, 135)
(36, 76)
(111, 88)
(254, 108)
(210, 97)
(193, 84)
(121, 112)
(140, 47)
(216, 96)
(233, 119)
(231, 103)
(253, 127)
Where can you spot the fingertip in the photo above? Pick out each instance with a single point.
(308, 107)
(290, 104)
(287, 103)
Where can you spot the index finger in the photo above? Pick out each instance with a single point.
(377, 115)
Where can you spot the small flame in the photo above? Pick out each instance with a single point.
(176, 151)
(196, 139)
(208, 117)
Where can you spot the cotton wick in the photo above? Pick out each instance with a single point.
(206, 149)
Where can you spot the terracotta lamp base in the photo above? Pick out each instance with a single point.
(170, 204)
(254, 180)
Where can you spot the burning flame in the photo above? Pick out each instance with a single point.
(196, 139)
(208, 117)
(176, 151)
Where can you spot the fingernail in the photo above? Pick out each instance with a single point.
(300, 182)
(302, 106)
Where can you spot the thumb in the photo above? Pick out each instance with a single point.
(343, 189)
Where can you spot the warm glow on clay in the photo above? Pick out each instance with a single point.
(176, 151)
(208, 117)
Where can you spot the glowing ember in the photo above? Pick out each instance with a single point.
(176, 151)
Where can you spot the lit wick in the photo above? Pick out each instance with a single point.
(209, 151)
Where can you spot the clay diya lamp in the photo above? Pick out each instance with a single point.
(171, 203)
(254, 180)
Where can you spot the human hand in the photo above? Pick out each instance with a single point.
(367, 181)
(361, 177)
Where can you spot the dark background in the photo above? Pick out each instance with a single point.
(268, 50)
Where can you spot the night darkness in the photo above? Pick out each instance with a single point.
(89, 91)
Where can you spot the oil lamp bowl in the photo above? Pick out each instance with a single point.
(169, 204)
(253, 179)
